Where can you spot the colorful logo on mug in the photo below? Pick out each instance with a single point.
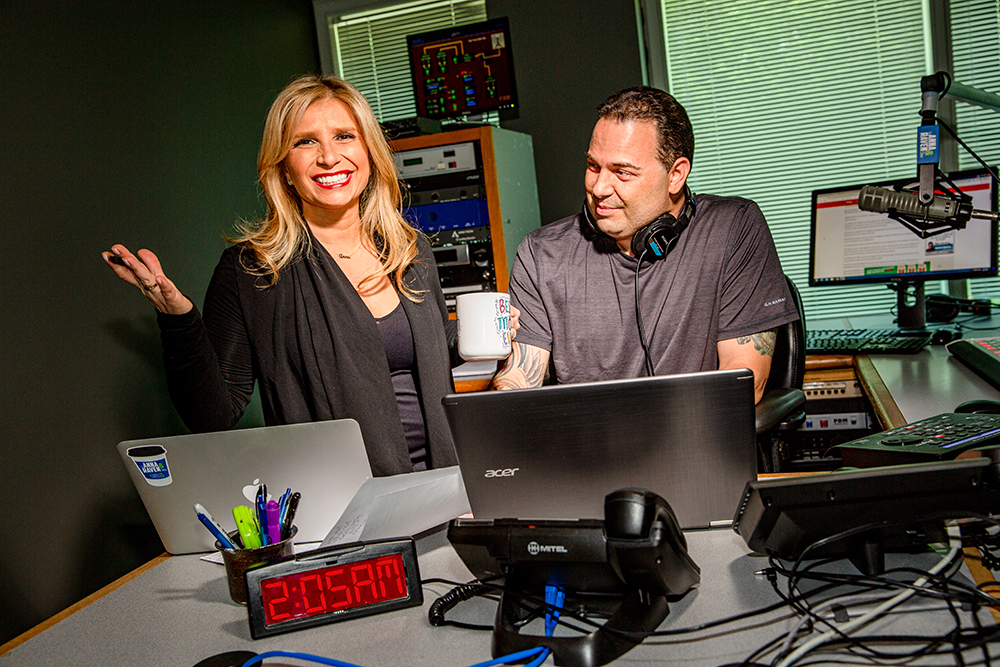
(502, 320)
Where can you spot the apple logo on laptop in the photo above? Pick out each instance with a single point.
(250, 492)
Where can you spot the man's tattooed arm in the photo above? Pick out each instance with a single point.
(524, 368)
(762, 342)
(754, 352)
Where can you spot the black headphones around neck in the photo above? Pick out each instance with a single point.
(657, 238)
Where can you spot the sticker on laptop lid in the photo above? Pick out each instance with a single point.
(151, 460)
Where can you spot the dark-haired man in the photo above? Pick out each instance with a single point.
(710, 286)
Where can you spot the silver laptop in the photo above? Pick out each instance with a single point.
(324, 461)
(556, 451)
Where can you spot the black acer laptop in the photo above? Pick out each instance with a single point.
(554, 452)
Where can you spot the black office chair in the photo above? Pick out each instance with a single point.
(781, 409)
(981, 406)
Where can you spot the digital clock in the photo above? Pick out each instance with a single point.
(332, 584)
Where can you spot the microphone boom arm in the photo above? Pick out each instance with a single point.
(975, 96)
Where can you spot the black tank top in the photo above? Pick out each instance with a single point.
(397, 337)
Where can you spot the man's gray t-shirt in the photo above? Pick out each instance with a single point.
(722, 280)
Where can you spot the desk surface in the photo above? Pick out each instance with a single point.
(917, 386)
(929, 383)
(179, 612)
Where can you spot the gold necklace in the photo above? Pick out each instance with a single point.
(343, 256)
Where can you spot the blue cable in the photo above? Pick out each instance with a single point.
(301, 656)
(550, 601)
(514, 657)
(554, 597)
(540, 659)
(539, 651)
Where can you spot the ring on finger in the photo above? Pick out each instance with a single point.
(148, 288)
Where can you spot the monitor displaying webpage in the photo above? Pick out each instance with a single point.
(849, 244)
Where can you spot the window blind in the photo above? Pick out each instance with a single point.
(369, 48)
(789, 97)
(975, 44)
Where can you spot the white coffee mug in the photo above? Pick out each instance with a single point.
(483, 325)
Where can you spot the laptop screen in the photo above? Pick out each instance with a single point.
(556, 451)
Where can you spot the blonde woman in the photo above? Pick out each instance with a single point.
(331, 303)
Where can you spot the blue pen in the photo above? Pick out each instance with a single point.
(283, 500)
(213, 527)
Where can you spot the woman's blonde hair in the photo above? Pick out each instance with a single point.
(282, 236)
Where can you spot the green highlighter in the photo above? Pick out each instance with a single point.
(246, 523)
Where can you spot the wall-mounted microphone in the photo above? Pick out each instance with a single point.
(940, 209)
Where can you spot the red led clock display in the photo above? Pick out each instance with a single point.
(332, 589)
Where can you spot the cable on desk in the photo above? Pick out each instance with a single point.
(955, 548)
(808, 614)
(985, 545)
(967, 639)
(928, 589)
(954, 643)
(540, 659)
(938, 585)
(299, 656)
(934, 585)
(539, 654)
(517, 657)
(798, 570)
(838, 601)
(984, 648)
(801, 571)
(956, 639)
(956, 647)
(883, 582)
(526, 600)
(815, 613)
(537, 606)
(445, 603)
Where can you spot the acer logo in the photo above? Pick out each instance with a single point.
(502, 472)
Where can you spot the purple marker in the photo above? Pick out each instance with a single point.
(273, 512)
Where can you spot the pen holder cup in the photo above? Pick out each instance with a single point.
(238, 560)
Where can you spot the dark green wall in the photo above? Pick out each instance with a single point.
(139, 123)
(131, 122)
(568, 58)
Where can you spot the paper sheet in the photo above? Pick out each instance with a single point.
(401, 505)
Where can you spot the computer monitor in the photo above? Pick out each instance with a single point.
(463, 71)
(895, 508)
(848, 246)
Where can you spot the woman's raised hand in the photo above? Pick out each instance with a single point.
(144, 272)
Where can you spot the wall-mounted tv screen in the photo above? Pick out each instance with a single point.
(464, 71)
